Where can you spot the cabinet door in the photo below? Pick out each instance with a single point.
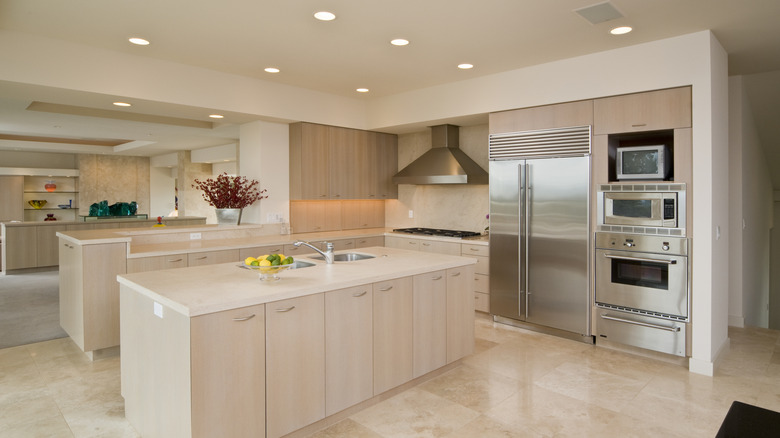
(48, 244)
(11, 198)
(228, 373)
(156, 263)
(348, 348)
(309, 166)
(650, 111)
(341, 244)
(295, 363)
(212, 257)
(543, 117)
(460, 312)
(256, 251)
(388, 151)
(344, 159)
(393, 333)
(430, 322)
(71, 284)
(21, 247)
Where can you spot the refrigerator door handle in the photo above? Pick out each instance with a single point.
(526, 233)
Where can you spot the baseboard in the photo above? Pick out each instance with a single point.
(736, 321)
(708, 368)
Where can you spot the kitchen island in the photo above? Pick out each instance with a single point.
(214, 351)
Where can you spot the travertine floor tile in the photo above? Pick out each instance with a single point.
(473, 388)
(346, 428)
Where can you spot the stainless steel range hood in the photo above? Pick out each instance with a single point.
(445, 163)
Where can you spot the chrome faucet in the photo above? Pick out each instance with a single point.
(328, 254)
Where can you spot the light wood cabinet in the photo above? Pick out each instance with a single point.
(47, 243)
(256, 251)
(295, 363)
(362, 214)
(481, 275)
(349, 343)
(430, 322)
(543, 117)
(213, 257)
(425, 245)
(460, 313)
(402, 243)
(228, 373)
(21, 247)
(89, 304)
(393, 333)
(11, 198)
(365, 242)
(156, 263)
(649, 111)
(329, 162)
(315, 216)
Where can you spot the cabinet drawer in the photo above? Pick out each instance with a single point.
(475, 250)
(481, 302)
(402, 243)
(483, 265)
(292, 250)
(156, 263)
(340, 244)
(256, 251)
(439, 247)
(212, 257)
(363, 242)
(482, 283)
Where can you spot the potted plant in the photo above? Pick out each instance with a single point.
(229, 195)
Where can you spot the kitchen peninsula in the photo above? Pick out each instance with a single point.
(214, 351)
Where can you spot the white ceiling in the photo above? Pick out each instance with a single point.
(243, 37)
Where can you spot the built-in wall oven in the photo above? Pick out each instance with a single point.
(642, 290)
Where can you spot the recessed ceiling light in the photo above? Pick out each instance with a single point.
(465, 66)
(362, 90)
(272, 70)
(139, 41)
(621, 30)
(122, 104)
(216, 116)
(325, 16)
(399, 42)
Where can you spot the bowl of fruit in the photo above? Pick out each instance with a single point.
(269, 265)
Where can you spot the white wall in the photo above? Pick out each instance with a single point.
(774, 263)
(264, 155)
(751, 215)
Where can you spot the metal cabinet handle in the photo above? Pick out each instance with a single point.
(386, 289)
(637, 125)
(455, 274)
(473, 249)
(426, 244)
(643, 324)
(174, 261)
(641, 259)
(359, 294)
(202, 258)
(245, 318)
(438, 278)
(287, 309)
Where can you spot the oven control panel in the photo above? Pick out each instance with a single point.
(642, 243)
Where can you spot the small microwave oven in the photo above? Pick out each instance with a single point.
(645, 209)
(643, 162)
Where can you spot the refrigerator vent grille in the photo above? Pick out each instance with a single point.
(679, 232)
(557, 142)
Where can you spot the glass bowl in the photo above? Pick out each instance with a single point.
(37, 203)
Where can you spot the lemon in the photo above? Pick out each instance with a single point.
(265, 262)
(249, 260)
(263, 257)
(281, 256)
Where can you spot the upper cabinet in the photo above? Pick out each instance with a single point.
(329, 162)
(650, 111)
(543, 117)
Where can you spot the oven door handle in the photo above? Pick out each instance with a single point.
(643, 324)
(641, 259)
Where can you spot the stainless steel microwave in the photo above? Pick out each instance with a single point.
(638, 205)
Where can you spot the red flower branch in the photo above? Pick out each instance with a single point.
(230, 192)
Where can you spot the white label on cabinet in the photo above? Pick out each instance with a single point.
(158, 309)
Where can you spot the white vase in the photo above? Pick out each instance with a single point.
(228, 216)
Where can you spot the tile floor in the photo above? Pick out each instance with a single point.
(516, 384)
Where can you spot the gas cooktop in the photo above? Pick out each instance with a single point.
(437, 232)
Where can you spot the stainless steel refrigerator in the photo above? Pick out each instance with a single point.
(539, 230)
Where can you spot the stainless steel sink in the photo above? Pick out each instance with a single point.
(301, 264)
(346, 257)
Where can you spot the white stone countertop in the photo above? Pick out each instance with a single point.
(135, 249)
(207, 289)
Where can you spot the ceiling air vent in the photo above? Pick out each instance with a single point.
(599, 13)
